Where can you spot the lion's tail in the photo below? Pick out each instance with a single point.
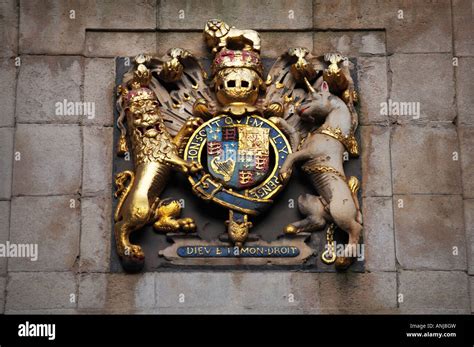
(122, 189)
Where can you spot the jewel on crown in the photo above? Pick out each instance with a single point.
(228, 58)
(139, 94)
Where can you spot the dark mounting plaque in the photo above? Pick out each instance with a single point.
(210, 217)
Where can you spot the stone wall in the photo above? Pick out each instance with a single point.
(418, 183)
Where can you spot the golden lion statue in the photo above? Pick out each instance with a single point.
(219, 34)
(155, 153)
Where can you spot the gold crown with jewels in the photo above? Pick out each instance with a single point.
(136, 95)
(227, 58)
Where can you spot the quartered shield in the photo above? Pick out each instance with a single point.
(238, 155)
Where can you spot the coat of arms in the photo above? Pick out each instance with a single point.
(236, 135)
(238, 154)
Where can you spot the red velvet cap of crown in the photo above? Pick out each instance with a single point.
(242, 59)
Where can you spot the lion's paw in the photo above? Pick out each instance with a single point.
(194, 122)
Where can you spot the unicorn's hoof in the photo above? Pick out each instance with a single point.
(343, 263)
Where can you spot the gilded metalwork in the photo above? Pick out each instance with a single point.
(236, 135)
(310, 169)
(349, 141)
(219, 34)
(329, 255)
(155, 153)
(224, 168)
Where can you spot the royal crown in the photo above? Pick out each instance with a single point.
(138, 94)
(227, 58)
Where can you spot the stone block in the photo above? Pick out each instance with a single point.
(193, 310)
(6, 162)
(426, 79)
(246, 14)
(305, 288)
(96, 231)
(4, 232)
(7, 94)
(44, 311)
(471, 283)
(353, 293)
(98, 156)
(463, 12)
(99, 84)
(424, 160)
(434, 292)
(258, 310)
(376, 169)
(357, 14)
(122, 14)
(195, 289)
(40, 290)
(53, 224)
(92, 291)
(116, 293)
(9, 28)
(46, 22)
(46, 26)
(119, 44)
(234, 310)
(378, 234)
(50, 159)
(274, 44)
(429, 232)
(278, 292)
(350, 43)
(425, 27)
(466, 140)
(465, 91)
(372, 78)
(3, 284)
(192, 41)
(44, 83)
(469, 225)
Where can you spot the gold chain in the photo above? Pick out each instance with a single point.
(323, 169)
(329, 255)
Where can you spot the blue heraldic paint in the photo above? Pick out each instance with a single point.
(238, 157)
(238, 154)
(236, 252)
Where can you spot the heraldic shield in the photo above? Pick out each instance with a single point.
(241, 170)
(238, 155)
